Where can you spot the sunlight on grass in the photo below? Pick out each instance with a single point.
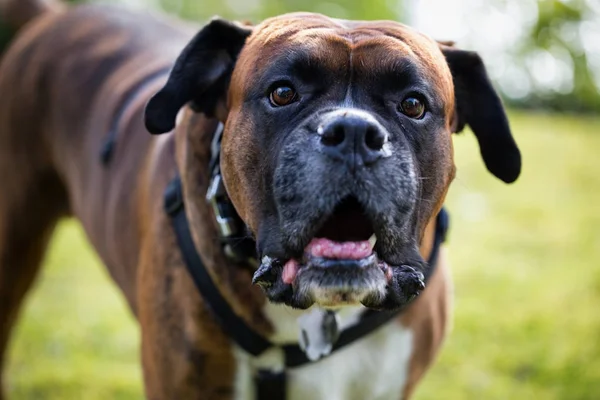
(526, 266)
(76, 338)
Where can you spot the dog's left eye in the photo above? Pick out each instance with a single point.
(282, 96)
(412, 107)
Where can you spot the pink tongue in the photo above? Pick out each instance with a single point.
(326, 248)
(290, 270)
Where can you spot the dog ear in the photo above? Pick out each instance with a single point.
(200, 75)
(479, 106)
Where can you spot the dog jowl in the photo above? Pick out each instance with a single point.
(337, 149)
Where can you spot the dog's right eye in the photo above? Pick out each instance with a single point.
(282, 96)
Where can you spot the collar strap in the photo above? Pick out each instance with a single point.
(234, 326)
(238, 245)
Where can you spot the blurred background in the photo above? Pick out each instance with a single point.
(526, 257)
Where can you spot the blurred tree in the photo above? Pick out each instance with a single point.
(256, 10)
(570, 32)
(554, 62)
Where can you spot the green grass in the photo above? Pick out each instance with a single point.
(76, 338)
(526, 266)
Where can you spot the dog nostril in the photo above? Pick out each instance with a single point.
(374, 138)
(334, 136)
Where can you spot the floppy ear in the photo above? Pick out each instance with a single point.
(479, 106)
(200, 75)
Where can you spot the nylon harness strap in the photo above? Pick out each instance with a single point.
(269, 385)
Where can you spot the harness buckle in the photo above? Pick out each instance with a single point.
(217, 197)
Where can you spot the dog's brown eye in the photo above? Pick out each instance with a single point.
(282, 96)
(412, 107)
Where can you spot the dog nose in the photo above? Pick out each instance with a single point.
(354, 139)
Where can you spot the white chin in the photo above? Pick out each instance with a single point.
(338, 296)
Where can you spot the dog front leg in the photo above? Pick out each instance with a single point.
(184, 352)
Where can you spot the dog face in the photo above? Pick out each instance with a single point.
(337, 147)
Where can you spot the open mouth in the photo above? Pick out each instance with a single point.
(340, 264)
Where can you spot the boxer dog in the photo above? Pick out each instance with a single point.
(335, 154)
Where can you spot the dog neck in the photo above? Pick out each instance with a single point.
(193, 137)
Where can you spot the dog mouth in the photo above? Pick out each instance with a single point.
(345, 240)
(323, 252)
(339, 266)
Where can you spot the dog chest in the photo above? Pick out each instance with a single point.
(374, 367)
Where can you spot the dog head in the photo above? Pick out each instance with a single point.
(337, 148)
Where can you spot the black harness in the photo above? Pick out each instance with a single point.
(270, 385)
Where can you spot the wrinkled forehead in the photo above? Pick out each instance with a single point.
(313, 41)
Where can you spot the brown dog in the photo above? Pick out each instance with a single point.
(334, 132)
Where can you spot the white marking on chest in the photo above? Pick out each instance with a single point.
(374, 367)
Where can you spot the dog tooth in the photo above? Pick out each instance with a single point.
(372, 241)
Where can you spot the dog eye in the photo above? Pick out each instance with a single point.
(282, 96)
(412, 107)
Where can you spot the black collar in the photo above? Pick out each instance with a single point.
(269, 385)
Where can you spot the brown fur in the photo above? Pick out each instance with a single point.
(61, 89)
(374, 47)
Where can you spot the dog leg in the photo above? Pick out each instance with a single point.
(185, 355)
(29, 208)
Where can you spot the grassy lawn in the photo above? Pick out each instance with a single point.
(526, 266)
